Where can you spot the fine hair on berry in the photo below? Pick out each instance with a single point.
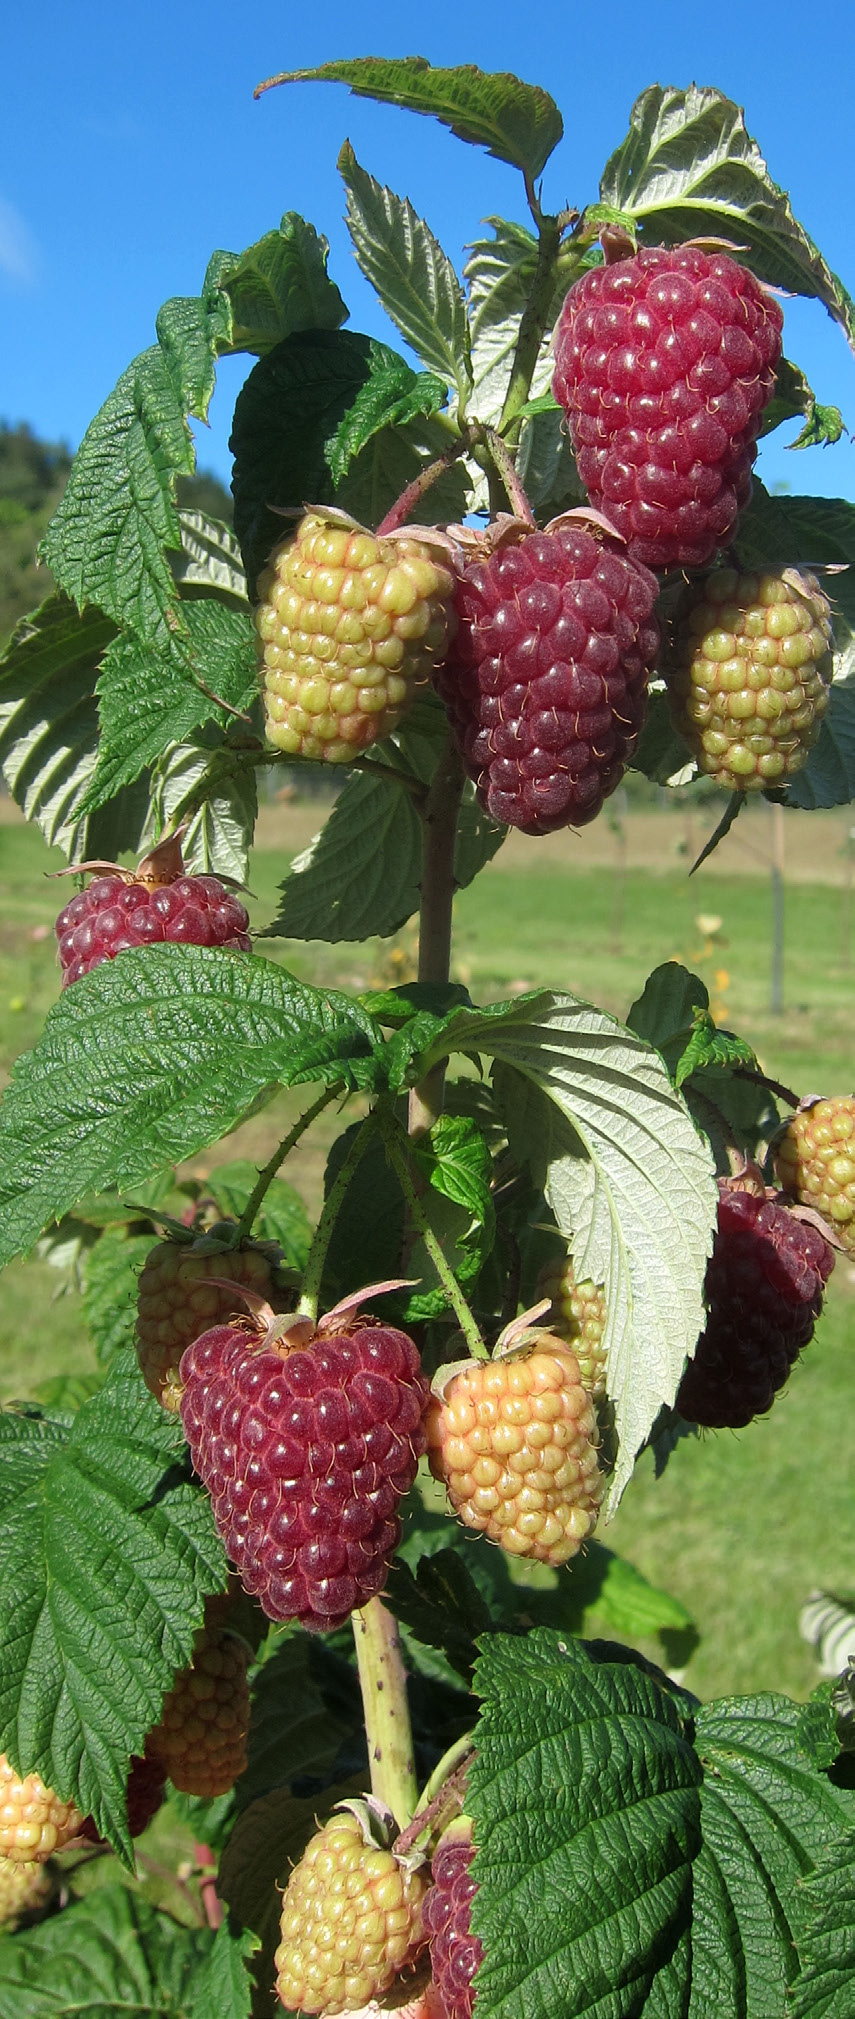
(546, 682)
(664, 363)
(307, 1454)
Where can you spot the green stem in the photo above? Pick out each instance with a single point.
(383, 1682)
(504, 464)
(394, 1140)
(308, 1304)
(266, 1177)
(532, 328)
(440, 815)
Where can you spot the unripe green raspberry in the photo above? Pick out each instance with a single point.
(33, 1821)
(748, 674)
(815, 1161)
(177, 1302)
(201, 1739)
(351, 1919)
(514, 1441)
(348, 624)
(578, 1315)
(25, 1891)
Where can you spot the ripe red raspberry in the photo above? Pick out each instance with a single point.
(815, 1161)
(200, 1742)
(664, 363)
(33, 1821)
(177, 1299)
(351, 1921)
(455, 1952)
(513, 1440)
(546, 682)
(144, 1793)
(25, 1892)
(748, 674)
(348, 623)
(306, 1445)
(578, 1316)
(764, 1286)
(155, 903)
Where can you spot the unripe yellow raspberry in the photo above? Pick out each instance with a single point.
(177, 1303)
(749, 673)
(348, 624)
(815, 1161)
(351, 1919)
(201, 1739)
(578, 1316)
(25, 1890)
(514, 1441)
(33, 1821)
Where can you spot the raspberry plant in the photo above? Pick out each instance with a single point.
(475, 643)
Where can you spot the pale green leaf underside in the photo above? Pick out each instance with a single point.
(107, 1550)
(689, 168)
(209, 562)
(49, 716)
(148, 1059)
(630, 1180)
(199, 781)
(413, 277)
(516, 122)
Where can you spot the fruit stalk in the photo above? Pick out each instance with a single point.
(283, 1150)
(400, 512)
(439, 836)
(382, 1680)
(308, 1304)
(394, 1141)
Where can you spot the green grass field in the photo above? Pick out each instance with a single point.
(741, 1526)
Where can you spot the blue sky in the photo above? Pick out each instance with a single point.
(131, 147)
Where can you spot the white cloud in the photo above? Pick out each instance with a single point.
(19, 255)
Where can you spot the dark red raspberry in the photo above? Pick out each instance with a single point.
(455, 1952)
(664, 363)
(764, 1285)
(114, 914)
(306, 1453)
(546, 681)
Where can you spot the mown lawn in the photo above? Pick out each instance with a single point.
(741, 1526)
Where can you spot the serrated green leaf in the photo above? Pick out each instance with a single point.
(209, 560)
(147, 700)
(441, 1605)
(106, 1955)
(282, 1218)
(361, 873)
(111, 1287)
(516, 122)
(367, 1238)
(794, 398)
(688, 168)
(49, 728)
(592, 1110)
(768, 1817)
(455, 1159)
(287, 412)
(107, 1551)
(823, 1989)
(664, 1012)
(413, 277)
(661, 754)
(709, 1046)
(149, 1058)
(817, 1727)
(393, 395)
(205, 784)
(390, 461)
(279, 285)
(585, 1796)
(223, 1987)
